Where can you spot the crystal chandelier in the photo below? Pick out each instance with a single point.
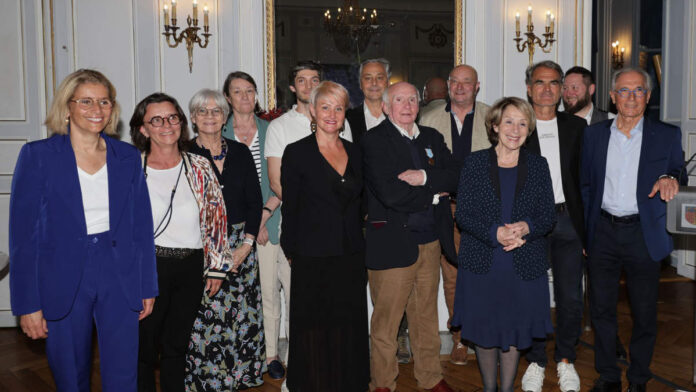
(352, 27)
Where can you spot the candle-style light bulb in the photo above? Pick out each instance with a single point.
(517, 24)
(195, 9)
(548, 18)
(166, 15)
(529, 16)
(552, 21)
(173, 11)
(205, 15)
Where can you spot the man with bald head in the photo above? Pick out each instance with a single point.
(409, 173)
(462, 124)
(434, 94)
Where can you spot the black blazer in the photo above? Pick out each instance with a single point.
(356, 119)
(570, 130)
(315, 224)
(479, 212)
(390, 200)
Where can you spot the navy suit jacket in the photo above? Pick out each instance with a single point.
(48, 233)
(479, 212)
(390, 201)
(660, 153)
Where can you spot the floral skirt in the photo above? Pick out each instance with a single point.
(227, 349)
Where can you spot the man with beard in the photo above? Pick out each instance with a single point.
(288, 128)
(578, 88)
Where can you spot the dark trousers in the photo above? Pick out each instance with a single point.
(169, 326)
(101, 302)
(620, 246)
(565, 253)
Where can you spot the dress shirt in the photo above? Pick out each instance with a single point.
(621, 179)
(370, 120)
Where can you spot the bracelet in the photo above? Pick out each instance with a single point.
(248, 241)
(270, 211)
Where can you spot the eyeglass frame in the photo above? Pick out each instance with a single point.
(204, 112)
(163, 119)
(625, 92)
(92, 102)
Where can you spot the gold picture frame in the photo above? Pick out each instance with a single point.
(269, 13)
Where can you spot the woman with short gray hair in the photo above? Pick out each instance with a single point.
(227, 347)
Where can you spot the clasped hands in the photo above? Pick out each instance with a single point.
(510, 235)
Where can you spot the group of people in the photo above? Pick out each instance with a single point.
(176, 251)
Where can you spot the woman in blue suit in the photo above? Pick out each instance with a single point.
(505, 207)
(81, 245)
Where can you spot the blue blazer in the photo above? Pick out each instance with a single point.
(479, 212)
(660, 153)
(48, 233)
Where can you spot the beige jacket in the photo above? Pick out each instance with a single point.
(440, 119)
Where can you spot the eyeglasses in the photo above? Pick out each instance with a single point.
(638, 92)
(215, 112)
(158, 121)
(86, 103)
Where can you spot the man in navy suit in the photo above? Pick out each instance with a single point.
(409, 173)
(626, 163)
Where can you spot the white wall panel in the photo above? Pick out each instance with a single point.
(9, 151)
(12, 98)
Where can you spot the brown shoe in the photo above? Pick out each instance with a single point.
(458, 356)
(442, 386)
(403, 353)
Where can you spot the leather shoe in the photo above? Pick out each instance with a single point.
(636, 387)
(276, 370)
(442, 386)
(382, 389)
(606, 386)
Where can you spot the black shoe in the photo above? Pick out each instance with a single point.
(276, 370)
(636, 387)
(606, 386)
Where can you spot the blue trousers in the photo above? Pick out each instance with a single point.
(617, 247)
(100, 302)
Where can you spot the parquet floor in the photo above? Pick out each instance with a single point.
(23, 367)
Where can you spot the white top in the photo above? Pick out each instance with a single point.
(289, 128)
(548, 143)
(184, 229)
(370, 120)
(95, 199)
(255, 149)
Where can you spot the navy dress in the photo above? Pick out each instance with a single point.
(498, 309)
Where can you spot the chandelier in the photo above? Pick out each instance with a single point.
(351, 27)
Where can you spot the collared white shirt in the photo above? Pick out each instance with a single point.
(621, 178)
(289, 128)
(458, 122)
(404, 132)
(548, 143)
(370, 120)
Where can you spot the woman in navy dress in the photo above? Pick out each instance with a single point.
(505, 207)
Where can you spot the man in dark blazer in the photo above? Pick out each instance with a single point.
(558, 138)
(374, 79)
(578, 89)
(409, 174)
(626, 162)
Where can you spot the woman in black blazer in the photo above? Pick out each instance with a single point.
(322, 238)
(505, 207)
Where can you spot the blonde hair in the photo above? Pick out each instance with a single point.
(58, 113)
(333, 89)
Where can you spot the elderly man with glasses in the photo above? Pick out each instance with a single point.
(629, 171)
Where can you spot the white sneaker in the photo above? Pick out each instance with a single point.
(568, 378)
(533, 378)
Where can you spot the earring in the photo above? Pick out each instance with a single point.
(67, 120)
(313, 126)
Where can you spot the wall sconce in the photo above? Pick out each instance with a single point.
(617, 55)
(532, 39)
(190, 34)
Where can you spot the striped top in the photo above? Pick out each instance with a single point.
(255, 149)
